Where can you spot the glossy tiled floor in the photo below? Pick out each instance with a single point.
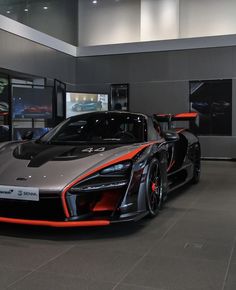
(190, 245)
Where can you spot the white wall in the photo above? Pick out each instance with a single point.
(125, 21)
(159, 19)
(207, 17)
(109, 22)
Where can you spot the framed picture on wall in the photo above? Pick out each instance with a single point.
(119, 97)
(212, 100)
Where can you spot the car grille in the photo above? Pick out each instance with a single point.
(47, 208)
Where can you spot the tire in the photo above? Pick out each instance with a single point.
(154, 188)
(196, 165)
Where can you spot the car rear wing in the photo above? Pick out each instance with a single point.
(169, 118)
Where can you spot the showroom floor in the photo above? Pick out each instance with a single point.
(190, 245)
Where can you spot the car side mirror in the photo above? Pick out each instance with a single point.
(28, 135)
(171, 136)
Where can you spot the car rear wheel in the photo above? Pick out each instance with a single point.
(154, 188)
(197, 165)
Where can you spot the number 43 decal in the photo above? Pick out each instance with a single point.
(91, 149)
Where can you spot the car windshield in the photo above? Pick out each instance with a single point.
(98, 128)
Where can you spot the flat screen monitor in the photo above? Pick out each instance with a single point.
(32, 103)
(79, 103)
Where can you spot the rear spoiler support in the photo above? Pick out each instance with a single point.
(169, 118)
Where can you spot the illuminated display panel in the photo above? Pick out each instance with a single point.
(79, 103)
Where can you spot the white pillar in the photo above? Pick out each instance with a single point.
(159, 19)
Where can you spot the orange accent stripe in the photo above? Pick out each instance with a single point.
(55, 224)
(127, 156)
(186, 115)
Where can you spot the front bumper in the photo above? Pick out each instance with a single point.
(48, 211)
(71, 224)
(55, 224)
(74, 209)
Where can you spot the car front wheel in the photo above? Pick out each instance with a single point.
(154, 188)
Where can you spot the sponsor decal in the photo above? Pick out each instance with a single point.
(6, 191)
(20, 193)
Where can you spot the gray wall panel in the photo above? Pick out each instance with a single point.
(218, 147)
(210, 63)
(159, 82)
(25, 56)
(149, 67)
(159, 97)
(95, 70)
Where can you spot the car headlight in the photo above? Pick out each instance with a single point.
(117, 168)
(112, 177)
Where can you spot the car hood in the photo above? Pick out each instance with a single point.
(52, 167)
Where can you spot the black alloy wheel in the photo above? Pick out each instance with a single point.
(154, 188)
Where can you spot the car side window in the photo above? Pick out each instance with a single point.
(153, 133)
(157, 127)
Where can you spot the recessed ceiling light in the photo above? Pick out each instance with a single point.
(8, 11)
(45, 7)
(95, 1)
(26, 9)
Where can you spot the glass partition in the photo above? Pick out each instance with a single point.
(56, 18)
(31, 110)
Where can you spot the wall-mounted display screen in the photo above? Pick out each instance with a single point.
(213, 102)
(32, 103)
(79, 103)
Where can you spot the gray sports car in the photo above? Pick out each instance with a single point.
(96, 169)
